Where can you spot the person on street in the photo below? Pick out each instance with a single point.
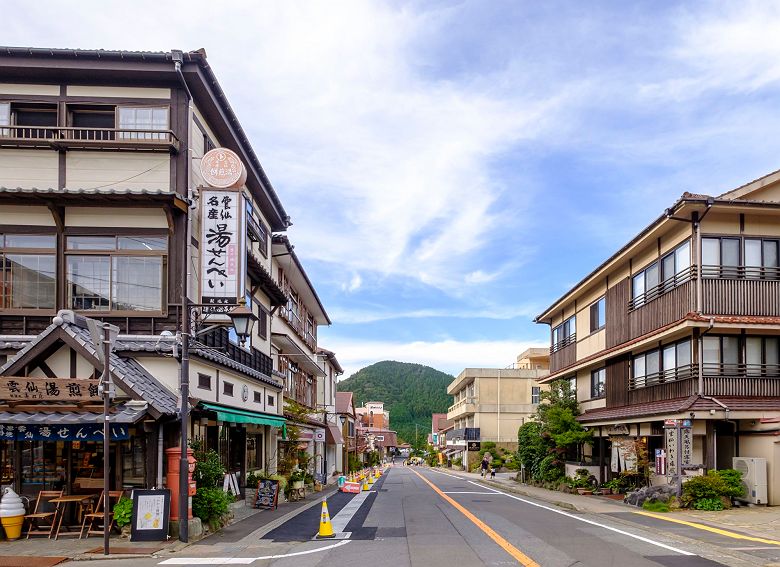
(485, 464)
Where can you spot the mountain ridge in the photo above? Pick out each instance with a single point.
(411, 392)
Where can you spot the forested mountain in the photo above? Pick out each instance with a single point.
(411, 393)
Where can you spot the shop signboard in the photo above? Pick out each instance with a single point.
(319, 435)
(70, 432)
(17, 388)
(151, 513)
(473, 445)
(679, 439)
(267, 494)
(222, 257)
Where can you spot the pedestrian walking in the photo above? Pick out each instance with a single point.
(485, 464)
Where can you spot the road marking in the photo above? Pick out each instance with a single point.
(446, 474)
(245, 560)
(508, 547)
(591, 522)
(466, 492)
(709, 528)
(341, 520)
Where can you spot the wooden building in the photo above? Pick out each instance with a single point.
(682, 323)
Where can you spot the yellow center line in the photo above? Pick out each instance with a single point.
(710, 528)
(491, 533)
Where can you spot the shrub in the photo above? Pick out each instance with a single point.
(123, 511)
(655, 506)
(551, 469)
(733, 480)
(705, 490)
(210, 504)
(712, 504)
(209, 472)
(457, 462)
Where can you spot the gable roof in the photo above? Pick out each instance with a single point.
(71, 329)
(344, 403)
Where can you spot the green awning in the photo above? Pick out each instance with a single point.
(234, 415)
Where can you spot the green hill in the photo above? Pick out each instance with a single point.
(411, 393)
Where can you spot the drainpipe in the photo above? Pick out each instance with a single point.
(160, 438)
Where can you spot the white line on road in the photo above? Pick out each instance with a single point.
(468, 492)
(340, 520)
(610, 528)
(447, 474)
(244, 560)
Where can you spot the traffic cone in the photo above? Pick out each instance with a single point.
(326, 528)
(365, 486)
(370, 479)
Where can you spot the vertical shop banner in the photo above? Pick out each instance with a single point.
(222, 252)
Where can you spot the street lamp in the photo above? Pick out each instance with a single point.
(242, 320)
(344, 449)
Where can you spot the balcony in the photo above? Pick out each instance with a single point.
(464, 434)
(564, 353)
(297, 325)
(74, 138)
(466, 406)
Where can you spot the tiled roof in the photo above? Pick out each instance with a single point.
(16, 342)
(79, 191)
(343, 402)
(123, 413)
(677, 405)
(131, 375)
(166, 345)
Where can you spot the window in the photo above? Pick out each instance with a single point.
(598, 380)
(27, 271)
(762, 355)
(573, 387)
(535, 390)
(204, 381)
(116, 273)
(142, 118)
(271, 401)
(262, 323)
(258, 397)
(5, 117)
(227, 388)
(598, 314)
(670, 362)
(660, 277)
(89, 117)
(731, 257)
(721, 351)
(564, 334)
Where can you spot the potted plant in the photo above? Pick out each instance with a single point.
(297, 477)
(123, 512)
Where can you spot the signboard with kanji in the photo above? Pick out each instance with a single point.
(685, 432)
(16, 388)
(222, 252)
(69, 432)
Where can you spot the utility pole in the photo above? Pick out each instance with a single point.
(415, 435)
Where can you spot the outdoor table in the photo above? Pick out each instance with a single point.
(62, 504)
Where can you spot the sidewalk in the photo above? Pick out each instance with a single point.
(246, 520)
(755, 521)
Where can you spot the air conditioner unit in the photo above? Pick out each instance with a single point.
(753, 471)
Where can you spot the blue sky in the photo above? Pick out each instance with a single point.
(451, 168)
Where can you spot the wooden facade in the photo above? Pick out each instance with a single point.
(741, 297)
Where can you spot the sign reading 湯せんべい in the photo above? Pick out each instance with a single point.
(21, 388)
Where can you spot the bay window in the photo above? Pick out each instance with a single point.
(27, 271)
(116, 273)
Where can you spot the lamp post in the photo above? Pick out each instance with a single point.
(242, 320)
(344, 449)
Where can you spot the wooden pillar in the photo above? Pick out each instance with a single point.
(601, 457)
(709, 445)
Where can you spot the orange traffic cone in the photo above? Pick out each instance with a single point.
(326, 528)
(365, 485)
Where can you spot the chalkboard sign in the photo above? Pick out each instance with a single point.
(267, 494)
(151, 513)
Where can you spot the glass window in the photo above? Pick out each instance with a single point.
(682, 257)
(668, 265)
(639, 366)
(653, 362)
(753, 253)
(710, 251)
(770, 254)
(91, 242)
(148, 243)
(730, 252)
(711, 348)
(258, 397)
(651, 278)
(143, 118)
(753, 355)
(5, 118)
(88, 282)
(670, 360)
(45, 241)
(136, 283)
(270, 400)
(535, 394)
(683, 355)
(598, 314)
(597, 382)
(227, 388)
(730, 350)
(772, 352)
(28, 281)
(638, 288)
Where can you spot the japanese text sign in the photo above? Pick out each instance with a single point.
(221, 250)
(70, 432)
(48, 389)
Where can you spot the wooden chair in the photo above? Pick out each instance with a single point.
(43, 511)
(99, 514)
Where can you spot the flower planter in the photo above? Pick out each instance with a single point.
(606, 490)
(249, 496)
(297, 484)
(584, 491)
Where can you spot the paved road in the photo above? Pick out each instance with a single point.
(428, 518)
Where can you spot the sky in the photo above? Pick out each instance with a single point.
(452, 168)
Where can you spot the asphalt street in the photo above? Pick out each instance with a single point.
(424, 517)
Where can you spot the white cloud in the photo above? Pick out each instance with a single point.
(353, 285)
(448, 356)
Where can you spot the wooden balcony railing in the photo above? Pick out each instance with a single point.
(563, 343)
(73, 138)
(671, 375)
(746, 296)
(564, 356)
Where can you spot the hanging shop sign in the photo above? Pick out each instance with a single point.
(70, 432)
(319, 435)
(222, 260)
(48, 389)
(222, 168)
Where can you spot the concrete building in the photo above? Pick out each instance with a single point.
(490, 404)
(682, 323)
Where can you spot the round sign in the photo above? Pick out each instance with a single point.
(245, 393)
(222, 168)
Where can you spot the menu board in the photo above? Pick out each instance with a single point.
(267, 494)
(151, 513)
